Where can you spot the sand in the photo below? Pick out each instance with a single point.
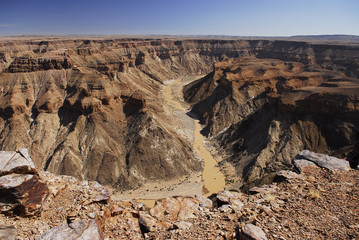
(210, 181)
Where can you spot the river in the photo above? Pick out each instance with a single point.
(210, 181)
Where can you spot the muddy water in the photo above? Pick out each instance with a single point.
(210, 181)
(213, 178)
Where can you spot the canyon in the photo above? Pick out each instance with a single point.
(94, 108)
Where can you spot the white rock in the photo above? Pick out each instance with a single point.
(252, 232)
(16, 162)
(183, 225)
(324, 161)
(85, 230)
(7, 232)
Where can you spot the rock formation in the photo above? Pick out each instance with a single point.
(21, 190)
(74, 231)
(252, 232)
(316, 204)
(261, 112)
(324, 161)
(90, 108)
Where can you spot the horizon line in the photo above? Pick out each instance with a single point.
(185, 35)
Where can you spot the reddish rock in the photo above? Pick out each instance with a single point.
(175, 208)
(22, 194)
(21, 190)
(168, 206)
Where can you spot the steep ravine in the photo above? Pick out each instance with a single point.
(90, 108)
(212, 177)
(260, 112)
(210, 181)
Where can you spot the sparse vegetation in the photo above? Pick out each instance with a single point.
(314, 194)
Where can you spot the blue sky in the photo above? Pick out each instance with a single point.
(185, 17)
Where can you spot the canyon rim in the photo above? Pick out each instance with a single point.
(160, 117)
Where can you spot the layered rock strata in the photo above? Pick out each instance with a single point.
(91, 108)
(261, 112)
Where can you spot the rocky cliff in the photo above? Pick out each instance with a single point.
(91, 108)
(260, 112)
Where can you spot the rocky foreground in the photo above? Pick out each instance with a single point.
(317, 200)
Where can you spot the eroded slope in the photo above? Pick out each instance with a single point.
(92, 108)
(260, 112)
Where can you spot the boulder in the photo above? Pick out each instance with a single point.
(285, 176)
(204, 202)
(147, 222)
(16, 162)
(226, 208)
(324, 161)
(21, 190)
(229, 198)
(7, 232)
(301, 164)
(226, 196)
(84, 230)
(102, 194)
(22, 194)
(175, 208)
(252, 232)
(189, 207)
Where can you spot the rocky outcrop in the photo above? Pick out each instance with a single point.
(232, 199)
(25, 64)
(316, 204)
(322, 160)
(16, 162)
(22, 192)
(74, 231)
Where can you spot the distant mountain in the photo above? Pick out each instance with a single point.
(338, 37)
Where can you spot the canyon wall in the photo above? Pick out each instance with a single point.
(261, 112)
(92, 108)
